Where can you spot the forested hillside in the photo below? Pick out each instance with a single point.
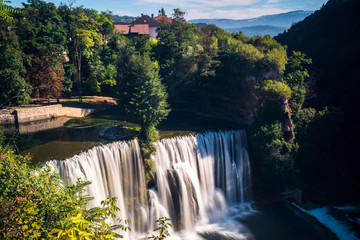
(331, 38)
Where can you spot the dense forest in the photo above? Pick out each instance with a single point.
(300, 99)
(330, 38)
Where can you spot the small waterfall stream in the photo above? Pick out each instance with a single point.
(199, 179)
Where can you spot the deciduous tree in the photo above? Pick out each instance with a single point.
(46, 74)
(13, 88)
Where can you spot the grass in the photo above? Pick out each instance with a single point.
(89, 102)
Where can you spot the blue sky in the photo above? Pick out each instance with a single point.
(234, 9)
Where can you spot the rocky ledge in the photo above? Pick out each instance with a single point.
(116, 133)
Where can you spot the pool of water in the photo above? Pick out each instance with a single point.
(62, 137)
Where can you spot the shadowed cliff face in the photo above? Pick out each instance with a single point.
(242, 105)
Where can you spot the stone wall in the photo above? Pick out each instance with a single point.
(22, 115)
(7, 116)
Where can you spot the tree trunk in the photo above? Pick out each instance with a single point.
(78, 63)
(287, 124)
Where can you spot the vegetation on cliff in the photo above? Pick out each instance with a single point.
(329, 38)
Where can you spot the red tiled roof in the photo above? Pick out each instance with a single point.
(122, 28)
(132, 28)
(140, 29)
(161, 17)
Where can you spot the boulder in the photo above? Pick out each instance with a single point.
(116, 133)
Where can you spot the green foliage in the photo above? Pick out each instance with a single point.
(2, 137)
(181, 46)
(34, 204)
(142, 44)
(333, 45)
(40, 26)
(302, 118)
(143, 95)
(33, 201)
(144, 99)
(91, 224)
(6, 11)
(163, 226)
(272, 89)
(298, 77)
(275, 53)
(13, 87)
(179, 16)
(272, 157)
(69, 70)
(162, 12)
(147, 138)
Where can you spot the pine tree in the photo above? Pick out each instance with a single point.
(144, 99)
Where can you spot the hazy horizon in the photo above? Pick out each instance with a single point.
(196, 9)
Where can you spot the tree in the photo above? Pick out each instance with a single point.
(272, 89)
(272, 161)
(6, 11)
(43, 40)
(298, 78)
(46, 74)
(144, 98)
(162, 12)
(33, 201)
(181, 46)
(40, 26)
(179, 16)
(88, 32)
(13, 88)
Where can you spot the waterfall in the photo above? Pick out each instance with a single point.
(197, 179)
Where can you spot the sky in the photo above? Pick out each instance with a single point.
(195, 9)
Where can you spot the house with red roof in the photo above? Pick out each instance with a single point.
(163, 19)
(143, 25)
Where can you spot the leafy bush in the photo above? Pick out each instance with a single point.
(91, 224)
(33, 201)
(272, 89)
(272, 157)
(164, 224)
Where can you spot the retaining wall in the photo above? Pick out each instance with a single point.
(22, 115)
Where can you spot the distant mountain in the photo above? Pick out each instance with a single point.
(123, 19)
(268, 24)
(261, 30)
(280, 20)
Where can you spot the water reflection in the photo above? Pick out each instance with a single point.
(56, 138)
(36, 126)
(63, 136)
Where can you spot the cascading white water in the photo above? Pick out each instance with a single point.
(197, 178)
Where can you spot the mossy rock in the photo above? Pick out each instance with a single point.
(117, 133)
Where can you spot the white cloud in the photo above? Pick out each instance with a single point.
(202, 3)
(234, 13)
(123, 13)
